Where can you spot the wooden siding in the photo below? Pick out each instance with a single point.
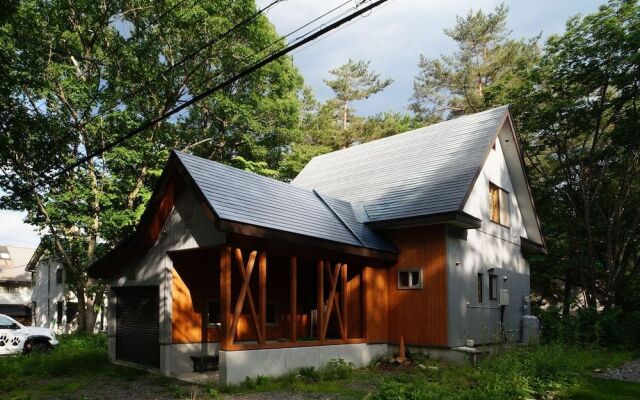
(420, 315)
(375, 286)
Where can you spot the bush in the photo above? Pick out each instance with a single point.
(337, 369)
(612, 328)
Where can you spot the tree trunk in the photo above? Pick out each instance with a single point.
(566, 296)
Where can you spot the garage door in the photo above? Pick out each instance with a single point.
(137, 325)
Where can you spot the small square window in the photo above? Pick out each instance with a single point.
(410, 279)
(213, 313)
(480, 288)
(493, 287)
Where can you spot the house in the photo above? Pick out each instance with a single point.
(15, 283)
(421, 236)
(54, 306)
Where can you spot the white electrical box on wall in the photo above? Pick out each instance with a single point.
(504, 297)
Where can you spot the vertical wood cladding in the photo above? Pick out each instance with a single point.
(376, 311)
(420, 315)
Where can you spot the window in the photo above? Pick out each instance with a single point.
(480, 288)
(59, 305)
(4, 253)
(72, 311)
(493, 287)
(410, 279)
(59, 276)
(6, 322)
(498, 205)
(272, 314)
(213, 313)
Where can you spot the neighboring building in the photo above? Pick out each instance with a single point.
(15, 283)
(54, 305)
(420, 236)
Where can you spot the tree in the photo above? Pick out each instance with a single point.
(76, 75)
(456, 84)
(354, 81)
(579, 119)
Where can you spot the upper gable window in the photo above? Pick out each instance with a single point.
(410, 278)
(498, 205)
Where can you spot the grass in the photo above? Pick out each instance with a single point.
(79, 369)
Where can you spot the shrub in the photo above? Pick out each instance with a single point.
(337, 369)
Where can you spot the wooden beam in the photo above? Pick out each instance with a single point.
(262, 265)
(320, 300)
(225, 297)
(343, 299)
(245, 291)
(293, 296)
(333, 299)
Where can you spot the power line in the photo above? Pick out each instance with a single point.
(239, 75)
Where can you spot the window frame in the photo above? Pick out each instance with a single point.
(503, 205)
(420, 284)
(480, 294)
(493, 287)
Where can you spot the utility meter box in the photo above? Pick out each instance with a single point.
(504, 297)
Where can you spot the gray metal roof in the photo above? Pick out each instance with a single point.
(418, 173)
(247, 198)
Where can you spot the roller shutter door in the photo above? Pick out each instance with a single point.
(137, 325)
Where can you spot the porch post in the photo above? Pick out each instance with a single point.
(225, 297)
(262, 265)
(343, 299)
(320, 290)
(293, 296)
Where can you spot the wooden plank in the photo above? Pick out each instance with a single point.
(285, 345)
(343, 300)
(245, 291)
(376, 305)
(293, 297)
(262, 265)
(320, 300)
(419, 315)
(333, 280)
(225, 297)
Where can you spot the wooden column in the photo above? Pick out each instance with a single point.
(225, 297)
(262, 265)
(293, 296)
(320, 302)
(343, 300)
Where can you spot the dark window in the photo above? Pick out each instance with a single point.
(59, 276)
(213, 313)
(72, 311)
(410, 279)
(480, 288)
(272, 314)
(59, 310)
(493, 287)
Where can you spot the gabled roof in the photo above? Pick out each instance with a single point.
(251, 199)
(421, 172)
(13, 268)
(427, 172)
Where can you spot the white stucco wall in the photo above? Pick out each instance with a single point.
(46, 295)
(478, 250)
(235, 366)
(187, 227)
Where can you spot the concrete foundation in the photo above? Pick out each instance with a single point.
(235, 366)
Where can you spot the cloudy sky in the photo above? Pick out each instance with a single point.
(392, 38)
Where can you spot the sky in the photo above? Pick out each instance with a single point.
(392, 37)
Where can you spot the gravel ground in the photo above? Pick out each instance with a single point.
(626, 372)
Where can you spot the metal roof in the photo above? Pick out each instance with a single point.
(248, 198)
(423, 172)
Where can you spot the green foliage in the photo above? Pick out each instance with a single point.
(337, 369)
(456, 84)
(83, 73)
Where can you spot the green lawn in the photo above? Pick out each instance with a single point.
(79, 369)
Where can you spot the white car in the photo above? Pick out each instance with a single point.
(16, 338)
